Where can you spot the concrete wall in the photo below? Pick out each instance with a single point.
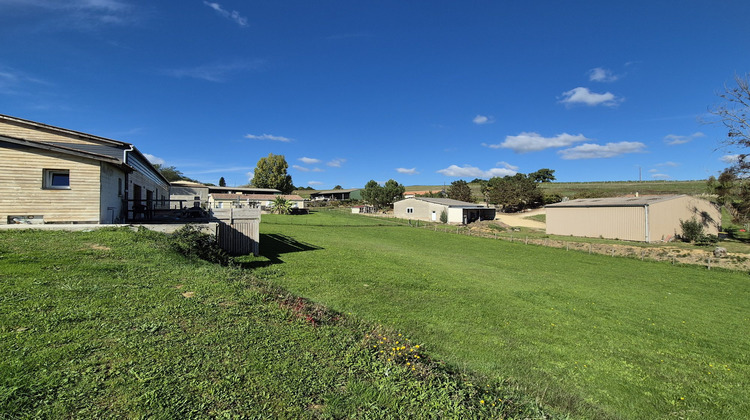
(111, 192)
(422, 210)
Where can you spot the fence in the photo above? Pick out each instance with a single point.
(673, 255)
(238, 230)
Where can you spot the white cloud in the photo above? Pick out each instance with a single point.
(336, 163)
(153, 159)
(483, 119)
(268, 137)
(730, 159)
(308, 160)
(668, 163)
(314, 183)
(582, 95)
(599, 74)
(467, 171)
(532, 142)
(406, 171)
(661, 176)
(74, 14)
(219, 72)
(507, 166)
(301, 168)
(597, 151)
(673, 139)
(233, 15)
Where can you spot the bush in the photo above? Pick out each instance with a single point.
(444, 216)
(191, 242)
(692, 230)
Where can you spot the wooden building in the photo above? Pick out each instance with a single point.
(55, 175)
(643, 219)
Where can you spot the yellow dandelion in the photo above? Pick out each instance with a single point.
(481, 401)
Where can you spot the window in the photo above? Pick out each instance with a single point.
(119, 187)
(410, 210)
(56, 179)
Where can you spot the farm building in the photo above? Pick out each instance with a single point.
(430, 209)
(337, 195)
(189, 194)
(55, 175)
(264, 201)
(643, 219)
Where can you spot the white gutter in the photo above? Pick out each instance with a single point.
(645, 207)
(125, 154)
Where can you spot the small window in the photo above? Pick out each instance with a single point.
(410, 210)
(119, 187)
(57, 179)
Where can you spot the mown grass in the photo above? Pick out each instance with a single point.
(594, 336)
(115, 324)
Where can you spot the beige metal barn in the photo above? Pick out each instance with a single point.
(643, 219)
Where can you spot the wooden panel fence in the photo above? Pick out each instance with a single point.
(238, 230)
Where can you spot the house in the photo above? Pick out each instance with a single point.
(55, 175)
(212, 189)
(430, 209)
(643, 219)
(264, 201)
(337, 195)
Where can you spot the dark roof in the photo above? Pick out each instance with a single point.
(62, 130)
(334, 191)
(616, 201)
(65, 150)
(229, 190)
(108, 147)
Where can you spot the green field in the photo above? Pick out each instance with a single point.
(574, 190)
(114, 324)
(591, 335)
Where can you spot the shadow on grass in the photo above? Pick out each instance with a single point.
(272, 246)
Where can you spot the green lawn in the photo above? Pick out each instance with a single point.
(114, 324)
(591, 335)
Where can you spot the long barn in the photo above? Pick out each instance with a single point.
(642, 219)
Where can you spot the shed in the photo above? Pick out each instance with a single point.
(430, 209)
(642, 219)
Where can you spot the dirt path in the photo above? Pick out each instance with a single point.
(518, 219)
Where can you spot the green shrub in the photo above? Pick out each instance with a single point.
(191, 242)
(692, 230)
(444, 216)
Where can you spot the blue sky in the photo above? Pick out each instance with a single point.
(421, 92)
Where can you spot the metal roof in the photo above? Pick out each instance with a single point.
(616, 201)
(334, 191)
(449, 202)
(291, 197)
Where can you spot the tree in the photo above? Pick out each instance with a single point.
(734, 115)
(460, 190)
(733, 193)
(543, 175)
(382, 197)
(270, 172)
(171, 173)
(281, 205)
(513, 193)
(222, 182)
(338, 187)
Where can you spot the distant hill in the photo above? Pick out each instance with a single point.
(575, 190)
